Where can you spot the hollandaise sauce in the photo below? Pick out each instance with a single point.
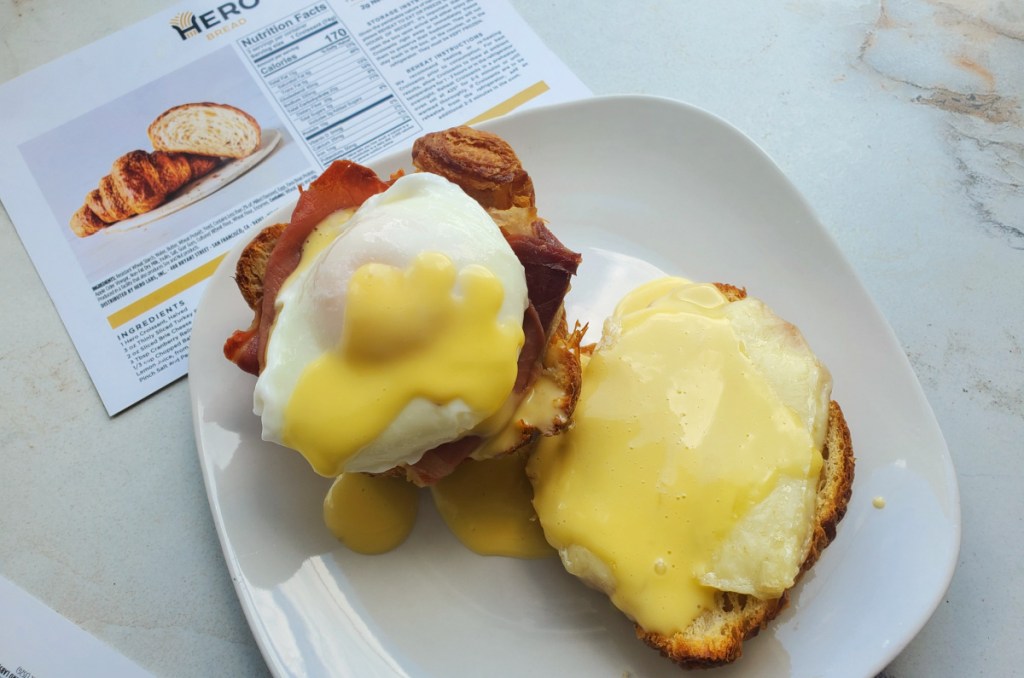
(678, 436)
(370, 514)
(406, 335)
(487, 505)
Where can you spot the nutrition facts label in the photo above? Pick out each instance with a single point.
(337, 100)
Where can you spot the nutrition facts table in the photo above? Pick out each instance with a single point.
(333, 94)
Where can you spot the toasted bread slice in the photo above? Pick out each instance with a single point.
(252, 263)
(716, 637)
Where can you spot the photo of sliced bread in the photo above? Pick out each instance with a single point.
(206, 129)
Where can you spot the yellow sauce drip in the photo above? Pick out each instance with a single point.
(541, 407)
(406, 334)
(321, 237)
(677, 436)
(486, 504)
(370, 514)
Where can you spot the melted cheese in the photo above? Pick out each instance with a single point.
(683, 452)
(405, 336)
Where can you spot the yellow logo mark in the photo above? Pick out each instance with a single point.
(186, 25)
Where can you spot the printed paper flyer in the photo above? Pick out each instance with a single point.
(135, 163)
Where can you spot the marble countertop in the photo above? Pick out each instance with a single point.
(900, 122)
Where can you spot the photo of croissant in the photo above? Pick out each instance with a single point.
(189, 142)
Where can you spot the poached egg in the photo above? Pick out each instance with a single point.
(399, 330)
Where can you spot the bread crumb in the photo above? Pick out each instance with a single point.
(878, 502)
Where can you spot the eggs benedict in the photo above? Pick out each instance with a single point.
(402, 326)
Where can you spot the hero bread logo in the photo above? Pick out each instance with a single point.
(213, 22)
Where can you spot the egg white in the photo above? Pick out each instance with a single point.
(420, 213)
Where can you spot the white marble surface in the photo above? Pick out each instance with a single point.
(901, 123)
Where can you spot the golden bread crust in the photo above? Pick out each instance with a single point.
(84, 222)
(481, 163)
(137, 179)
(716, 637)
(562, 364)
(731, 292)
(138, 182)
(107, 203)
(561, 367)
(252, 264)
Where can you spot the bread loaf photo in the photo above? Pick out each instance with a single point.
(138, 183)
(190, 141)
(207, 129)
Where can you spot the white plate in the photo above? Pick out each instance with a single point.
(203, 186)
(639, 185)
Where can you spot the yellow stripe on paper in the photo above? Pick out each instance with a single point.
(159, 296)
(512, 103)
